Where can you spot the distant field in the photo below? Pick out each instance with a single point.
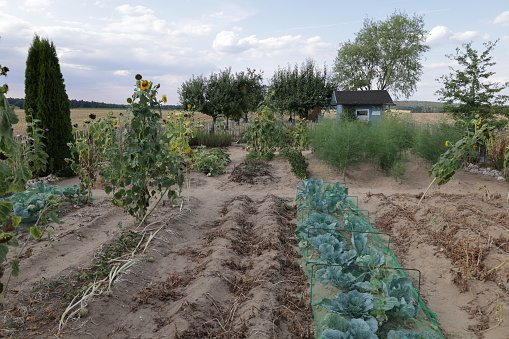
(420, 118)
(80, 114)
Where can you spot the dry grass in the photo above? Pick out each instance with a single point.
(80, 114)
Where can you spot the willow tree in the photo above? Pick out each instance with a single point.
(47, 103)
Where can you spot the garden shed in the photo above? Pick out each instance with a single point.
(364, 105)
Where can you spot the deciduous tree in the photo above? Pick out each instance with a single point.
(298, 90)
(223, 94)
(385, 55)
(468, 92)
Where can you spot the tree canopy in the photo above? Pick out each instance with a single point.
(298, 90)
(223, 94)
(467, 92)
(385, 55)
(46, 100)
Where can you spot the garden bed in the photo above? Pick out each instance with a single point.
(224, 266)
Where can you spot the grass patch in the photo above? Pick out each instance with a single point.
(204, 138)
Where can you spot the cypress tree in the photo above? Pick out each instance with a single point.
(46, 100)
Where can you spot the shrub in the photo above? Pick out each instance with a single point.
(387, 141)
(212, 162)
(339, 143)
(342, 143)
(204, 138)
(429, 141)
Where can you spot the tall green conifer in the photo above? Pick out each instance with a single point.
(46, 100)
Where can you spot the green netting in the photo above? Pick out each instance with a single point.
(346, 257)
(30, 202)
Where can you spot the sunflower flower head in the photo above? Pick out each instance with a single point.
(144, 85)
(164, 98)
(447, 143)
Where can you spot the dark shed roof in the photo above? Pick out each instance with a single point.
(376, 97)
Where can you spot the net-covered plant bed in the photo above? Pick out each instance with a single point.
(358, 288)
(28, 203)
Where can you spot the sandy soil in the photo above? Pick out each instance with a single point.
(223, 262)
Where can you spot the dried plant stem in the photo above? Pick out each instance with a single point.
(498, 266)
(93, 289)
(426, 191)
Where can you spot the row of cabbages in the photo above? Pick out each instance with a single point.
(358, 289)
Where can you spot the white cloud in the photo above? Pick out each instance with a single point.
(442, 34)
(438, 34)
(502, 18)
(146, 23)
(128, 9)
(122, 72)
(34, 5)
(464, 36)
(76, 66)
(438, 65)
(229, 42)
(14, 25)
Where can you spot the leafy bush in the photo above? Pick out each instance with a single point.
(298, 163)
(204, 138)
(266, 133)
(212, 162)
(429, 142)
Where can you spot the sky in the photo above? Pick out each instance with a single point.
(103, 44)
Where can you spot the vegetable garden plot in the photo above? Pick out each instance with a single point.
(358, 288)
(29, 202)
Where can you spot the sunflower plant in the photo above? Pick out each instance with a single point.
(178, 129)
(90, 147)
(458, 153)
(14, 173)
(265, 134)
(142, 167)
